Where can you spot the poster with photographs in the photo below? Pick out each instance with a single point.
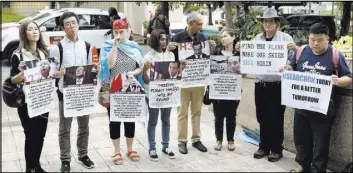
(80, 93)
(164, 87)
(263, 57)
(127, 99)
(40, 82)
(197, 63)
(225, 78)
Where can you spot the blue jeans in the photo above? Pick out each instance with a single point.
(152, 122)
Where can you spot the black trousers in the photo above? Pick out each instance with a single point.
(225, 109)
(114, 128)
(34, 130)
(270, 115)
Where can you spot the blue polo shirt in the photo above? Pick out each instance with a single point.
(183, 37)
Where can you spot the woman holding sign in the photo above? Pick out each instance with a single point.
(158, 43)
(120, 56)
(226, 108)
(32, 47)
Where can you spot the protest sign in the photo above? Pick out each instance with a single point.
(40, 86)
(307, 91)
(127, 99)
(225, 78)
(197, 70)
(80, 93)
(164, 87)
(263, 58)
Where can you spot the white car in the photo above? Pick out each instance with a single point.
(91, 28)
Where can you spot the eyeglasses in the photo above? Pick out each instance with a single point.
(70, 24)
(199, 24)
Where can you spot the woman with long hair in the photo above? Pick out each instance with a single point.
(158, 43)
(31, 47)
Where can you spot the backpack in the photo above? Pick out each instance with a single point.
(156, 23)
(60, 95)
(12, 94)
(335, 57)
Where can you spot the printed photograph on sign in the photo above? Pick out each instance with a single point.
(225, 65)
(126, 84)
(80, 75)
(225, 78)
(194, 50)
(162, 71)
(40, 70)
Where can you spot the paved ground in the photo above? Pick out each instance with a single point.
(100, 147)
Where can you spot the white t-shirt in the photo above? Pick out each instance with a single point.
(153, 56)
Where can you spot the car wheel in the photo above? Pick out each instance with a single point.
(8, 53)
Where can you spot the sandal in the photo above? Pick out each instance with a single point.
(218, 146)
(231, 146)
(117, 159)
(133, 156)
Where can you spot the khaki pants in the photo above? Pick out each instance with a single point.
(195, 96)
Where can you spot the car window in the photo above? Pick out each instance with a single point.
(52, 24)
(101, 21)
(85, 22)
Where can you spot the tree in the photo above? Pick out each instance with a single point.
(228, 13)
(346, 17)
(209, 14)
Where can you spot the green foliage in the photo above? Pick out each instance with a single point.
(215, 38)
(247, 27)
(194, 7)
(9, 17)
(145, 23)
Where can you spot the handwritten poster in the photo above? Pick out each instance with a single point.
(263, 58)
(164, 87)
(307, 91)
(225, 78)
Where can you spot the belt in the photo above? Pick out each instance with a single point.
(268, 84)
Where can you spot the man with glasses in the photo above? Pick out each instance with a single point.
(74, 53)
(193, 94)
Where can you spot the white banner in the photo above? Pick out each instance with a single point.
(307, 91)
(40, 83)
(80, 91)
(262, 57)
(164, 94)
(127, 99)
(225, 81)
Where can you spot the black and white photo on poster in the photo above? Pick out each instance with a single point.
(197, 63)
(80, 91)
(40, 85)
(127, 99)
(225, 78)
(164, 86)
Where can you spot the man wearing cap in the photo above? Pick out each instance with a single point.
(270, 115)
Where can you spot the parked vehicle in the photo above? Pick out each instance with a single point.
(299, 25)
(92, 28)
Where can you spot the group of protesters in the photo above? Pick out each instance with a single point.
(311, 129)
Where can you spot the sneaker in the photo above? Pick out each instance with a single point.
(65, 167)
(153, 155)
(167, 152)
(198, 145)
(260, 153)
(182, 148)
(86, 162)
(274, 157)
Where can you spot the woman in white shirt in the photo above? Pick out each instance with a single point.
(158, 43)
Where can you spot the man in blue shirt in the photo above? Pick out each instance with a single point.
(312, 129)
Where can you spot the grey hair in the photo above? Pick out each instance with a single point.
(193, 16)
